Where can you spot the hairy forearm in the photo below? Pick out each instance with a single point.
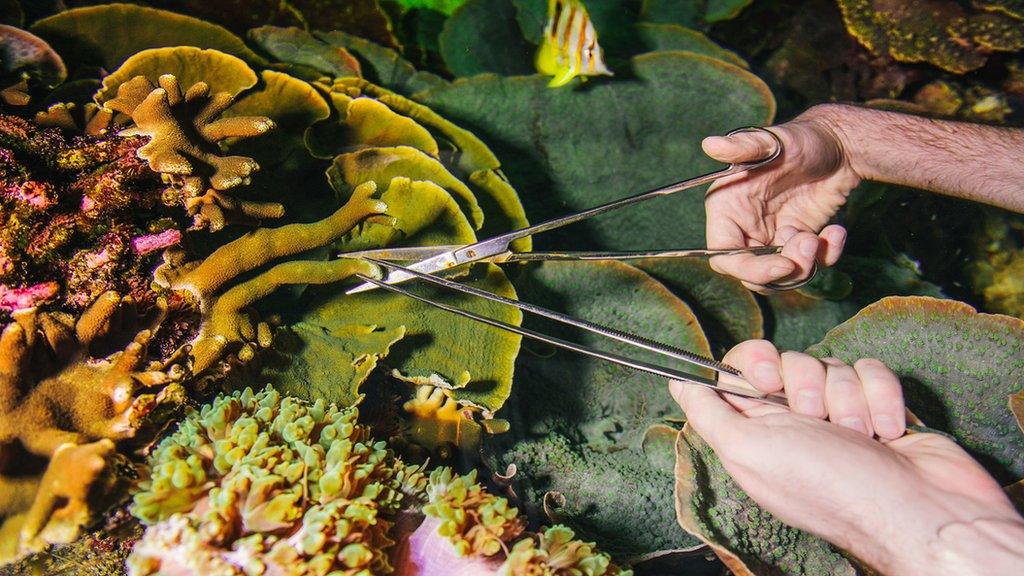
(970, 161)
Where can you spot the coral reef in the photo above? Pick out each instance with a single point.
(939, 32)
(64, 404)
(258, 483)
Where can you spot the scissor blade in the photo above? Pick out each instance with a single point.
(402, 254)
(442, 261)
(587, 351)
(476, 252)
(592, 327)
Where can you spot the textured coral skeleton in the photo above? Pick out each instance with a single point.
(185, 131)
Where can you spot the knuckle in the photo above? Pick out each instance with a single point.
(870, 364)
(832, 361)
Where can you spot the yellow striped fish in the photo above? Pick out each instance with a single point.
(570, 45)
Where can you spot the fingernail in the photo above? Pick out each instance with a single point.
(809, 246)
(854, 423)
(808, 402)
(886, 426)
(766, 373)
(675, 388)
(779, 271)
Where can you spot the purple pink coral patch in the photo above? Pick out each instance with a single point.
(20, 298)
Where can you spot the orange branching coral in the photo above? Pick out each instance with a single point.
(90, 119)
(63, 405)
(185, 131)
(226, 321)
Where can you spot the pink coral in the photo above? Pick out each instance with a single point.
(28, 297)
(143, 245)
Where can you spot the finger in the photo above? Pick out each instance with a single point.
(741, 147)
(802, 250)
(833, 238)
(804, 380)
(755, 270)
(884, 396)
(844, 397)
(784, 233)
(759, 362)
(707, 412)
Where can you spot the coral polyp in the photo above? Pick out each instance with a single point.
(260, 483)
(64, 403)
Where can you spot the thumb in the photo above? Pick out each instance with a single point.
(740, 147)
(711, 416)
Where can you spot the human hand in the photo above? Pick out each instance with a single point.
(837, 464)
(787, 203)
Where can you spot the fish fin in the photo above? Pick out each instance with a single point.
(562, 78)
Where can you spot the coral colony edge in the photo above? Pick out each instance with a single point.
(185, 388)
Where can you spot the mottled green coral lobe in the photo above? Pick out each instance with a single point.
(713, 505)
(600, 402)
(571, 149)
(475, 358)
(580, 422)
(958, 369)
(608, 495)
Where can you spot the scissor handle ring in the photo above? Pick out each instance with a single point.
(776, 152)
(783, 286)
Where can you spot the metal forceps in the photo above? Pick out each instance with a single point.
(734, 382)
(497, 248)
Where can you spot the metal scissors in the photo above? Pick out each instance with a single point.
(496, 249)
(725, 379)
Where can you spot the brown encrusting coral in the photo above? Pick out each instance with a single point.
(185, 131)
(70, 390)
